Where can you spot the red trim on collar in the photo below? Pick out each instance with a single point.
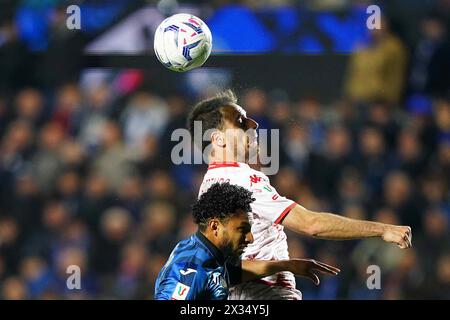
(215, 165)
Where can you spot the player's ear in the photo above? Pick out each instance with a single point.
(214, 226)
(218, 138)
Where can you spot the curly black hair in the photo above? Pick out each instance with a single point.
(222, 200)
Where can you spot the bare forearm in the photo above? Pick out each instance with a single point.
(331, 226)
(255, 269)
(300, 267)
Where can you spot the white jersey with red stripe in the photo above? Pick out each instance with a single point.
(268, 210)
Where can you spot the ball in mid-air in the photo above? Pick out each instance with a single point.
(182, 42)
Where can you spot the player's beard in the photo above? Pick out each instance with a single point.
(252, 148)
(247, 151)
(231, 254)
(234, 256)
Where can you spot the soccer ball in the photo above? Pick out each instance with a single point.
(182, 42)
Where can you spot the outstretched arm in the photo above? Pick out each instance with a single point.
(330, 226)
(254, 269)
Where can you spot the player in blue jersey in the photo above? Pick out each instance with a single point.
(205, 265)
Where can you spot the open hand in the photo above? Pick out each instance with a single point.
(307, 268)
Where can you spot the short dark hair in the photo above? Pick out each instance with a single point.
(208, 112)
(222, 200)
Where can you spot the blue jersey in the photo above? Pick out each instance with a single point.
(196, 270)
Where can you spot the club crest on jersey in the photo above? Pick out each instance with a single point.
(254, 179)
(180, 292)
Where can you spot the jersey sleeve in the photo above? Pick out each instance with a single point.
(182, 281)
(268, 203)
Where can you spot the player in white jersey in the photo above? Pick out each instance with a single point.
(233, 135)
(268, 210)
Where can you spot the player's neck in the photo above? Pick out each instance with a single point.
(212, 239)
(221, 159)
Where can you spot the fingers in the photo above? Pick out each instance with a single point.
(406, 241)
(325, 268)
(313, 277)
(319, 266)
(401, 235)
(408, 231)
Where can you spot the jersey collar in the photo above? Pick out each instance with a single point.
(215, 165)
(211, 247)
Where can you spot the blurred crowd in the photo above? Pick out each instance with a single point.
(86, 176)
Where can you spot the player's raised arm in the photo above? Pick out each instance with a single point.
(331, 226)
(254, 269)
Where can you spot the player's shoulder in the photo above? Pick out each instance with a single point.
(257, 177)
(190, 252)
(235, 173)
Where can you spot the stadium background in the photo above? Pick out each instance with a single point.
(86, 116)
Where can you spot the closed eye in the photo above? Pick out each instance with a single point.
(240, 121)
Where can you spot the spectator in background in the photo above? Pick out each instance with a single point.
(372, 159)
(158, 227)
(309, 113)
(442, 285)
(112, 161)
(26, 203)
(14, 288)
(95, 200)
(69, 190)
(404, 282)
(385, 120)
(368, 252)
(146, 114)
(409, 156)
(442, 116)
(15, 58)
(46, 164)
(15, 151)
(4, 110)
(131, 196)
(151, 157)
(74, 156)
(116, 229)
(38, 276)
(97, 106)
(10, 245)
(399, 195)
(297, 146)
(60, 62)
(67, 108)
(435, 239)
(324, 167)
(442, 159)
(161, 186)
(351, 191)
(430, 66)
(367, 79)
(420, 120)
(131, 281)
(434, 190)
(29, 106)
(73, 256)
